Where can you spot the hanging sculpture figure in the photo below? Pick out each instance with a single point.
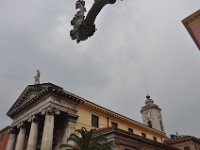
(84, 27)
(78, 19)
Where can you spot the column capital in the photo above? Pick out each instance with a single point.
(13, 130)
(51, 111)
(21, 125)
(33, 119)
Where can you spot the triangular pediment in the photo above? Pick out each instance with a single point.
(30, 94)
(33, 94)
(26, 98)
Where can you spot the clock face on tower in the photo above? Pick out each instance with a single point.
(147, 115)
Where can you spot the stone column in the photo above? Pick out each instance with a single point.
(11, 140)
(21, 137)
(70, 127)
(33, 135)
(47, 137)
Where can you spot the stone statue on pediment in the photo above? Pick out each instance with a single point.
(37, 77)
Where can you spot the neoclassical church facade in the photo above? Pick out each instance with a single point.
(45, 114)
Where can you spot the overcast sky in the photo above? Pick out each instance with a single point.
(140, 47)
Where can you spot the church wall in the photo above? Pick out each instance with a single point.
(84, 120)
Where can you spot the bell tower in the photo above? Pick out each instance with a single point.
(151, 114)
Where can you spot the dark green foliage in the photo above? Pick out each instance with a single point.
(84, 140)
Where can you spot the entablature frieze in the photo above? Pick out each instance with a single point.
(42, 109)
(64, 104)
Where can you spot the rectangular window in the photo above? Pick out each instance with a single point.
(95, 121)
(186, 148)
(144, 135)
(155, 139)
(114, 125)
(130, 130)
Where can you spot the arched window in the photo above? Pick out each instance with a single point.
(149, 124)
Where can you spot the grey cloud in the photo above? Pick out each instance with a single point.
(139, 47)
